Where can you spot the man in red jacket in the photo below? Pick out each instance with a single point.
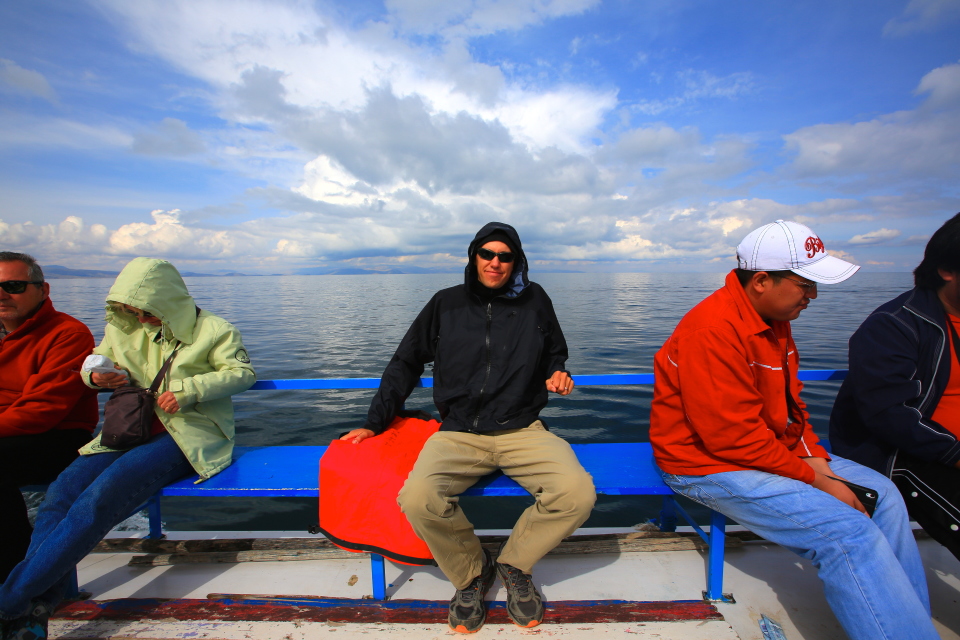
(46, 412)
(730, 431)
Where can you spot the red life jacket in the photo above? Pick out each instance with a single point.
(359, 484)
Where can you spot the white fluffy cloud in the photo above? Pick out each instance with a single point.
(913, 145)
(875, 237)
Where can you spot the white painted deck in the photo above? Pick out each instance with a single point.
(763, 578)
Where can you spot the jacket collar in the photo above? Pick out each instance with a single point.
(43, 313)
(926, 304)
(753, 323)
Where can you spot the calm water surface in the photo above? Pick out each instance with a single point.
(349, 326)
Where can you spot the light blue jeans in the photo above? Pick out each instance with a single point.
(93, 495)
(871, 569)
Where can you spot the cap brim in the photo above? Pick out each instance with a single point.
(827, 270)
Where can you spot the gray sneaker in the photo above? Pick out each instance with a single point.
(468, 611)
(524, 605)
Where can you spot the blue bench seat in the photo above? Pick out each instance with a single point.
(618, 469)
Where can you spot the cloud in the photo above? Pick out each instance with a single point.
(875, 237)
(479, 17)
(698, 85)
(25, 81)
(31, 131)
(912, 146)
(921, 16)
(169, 137)
(271, 60)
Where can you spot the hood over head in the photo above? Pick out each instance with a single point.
(154, 286)
(504, 233)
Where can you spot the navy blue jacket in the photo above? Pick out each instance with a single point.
(491, 357)
(899, 368)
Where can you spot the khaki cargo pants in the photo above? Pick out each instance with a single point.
(453, 461)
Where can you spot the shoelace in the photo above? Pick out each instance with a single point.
(520, 581)
(468, 594)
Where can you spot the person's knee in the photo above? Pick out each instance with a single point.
(576, 495)
(419, 498)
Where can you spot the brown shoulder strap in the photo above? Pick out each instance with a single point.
(163, 370)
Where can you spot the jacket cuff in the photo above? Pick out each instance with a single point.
(87, 378)
(184, 391)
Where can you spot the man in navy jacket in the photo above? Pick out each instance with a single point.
(898, 411)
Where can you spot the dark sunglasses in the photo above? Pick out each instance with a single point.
(486, 254)
(17, 286)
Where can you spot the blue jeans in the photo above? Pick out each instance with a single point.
(90, 497)
(871, 569)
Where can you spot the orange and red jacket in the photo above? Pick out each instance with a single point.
(359, 484)
(40, 384)
(720, 400)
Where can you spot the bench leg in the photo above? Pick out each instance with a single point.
(714, 592)
(668, 514)
(379, 577)
(153, 510)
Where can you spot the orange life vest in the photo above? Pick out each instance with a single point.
(359, 484)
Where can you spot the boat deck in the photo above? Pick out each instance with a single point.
(763, 578)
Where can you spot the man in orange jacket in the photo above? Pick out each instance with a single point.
(730, 431)
(46, 412)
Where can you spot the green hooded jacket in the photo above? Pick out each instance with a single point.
(210, 366)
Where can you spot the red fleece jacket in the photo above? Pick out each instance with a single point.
(40, 384)
(720, 397)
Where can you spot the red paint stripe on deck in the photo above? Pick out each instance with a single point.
(411, 611)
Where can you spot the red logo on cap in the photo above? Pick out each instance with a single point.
(813, 245)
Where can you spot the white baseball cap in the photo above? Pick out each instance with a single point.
(789, 246)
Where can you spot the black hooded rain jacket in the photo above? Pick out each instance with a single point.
(491, 358)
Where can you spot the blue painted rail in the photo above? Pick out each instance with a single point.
(617, 469)
(605, 380)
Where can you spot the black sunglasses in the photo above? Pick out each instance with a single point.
(17, 286)
(486, 254)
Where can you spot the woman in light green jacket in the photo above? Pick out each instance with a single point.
(149, 315)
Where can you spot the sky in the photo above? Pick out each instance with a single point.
(269, 136)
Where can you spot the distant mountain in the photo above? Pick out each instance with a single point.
(228, 274)
(355, 271)
(58, 271)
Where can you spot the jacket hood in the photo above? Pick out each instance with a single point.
(157, 287)
(518, 279)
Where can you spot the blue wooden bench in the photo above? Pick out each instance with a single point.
(617, 469)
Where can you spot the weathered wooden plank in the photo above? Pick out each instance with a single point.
(297, 549)
(246, 607)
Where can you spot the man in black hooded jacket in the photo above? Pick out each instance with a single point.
(497, 350)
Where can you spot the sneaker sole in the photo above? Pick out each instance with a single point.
(529, 625)
(462, 629)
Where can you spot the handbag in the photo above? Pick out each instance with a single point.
(128, 413)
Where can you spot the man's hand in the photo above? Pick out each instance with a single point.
(168, 402)
(109, 380)
(358, 435)
(837, 489)
(560, 382)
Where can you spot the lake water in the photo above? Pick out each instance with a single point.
(349, 326)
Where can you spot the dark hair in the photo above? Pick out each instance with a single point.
(34, 272)
(743, 275)
(942, 252)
